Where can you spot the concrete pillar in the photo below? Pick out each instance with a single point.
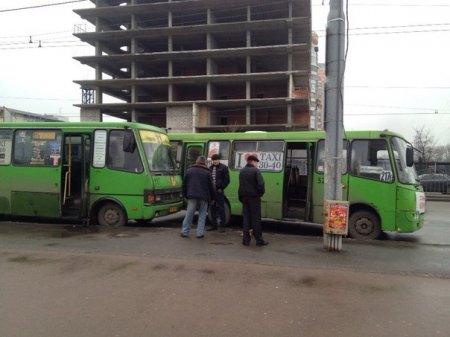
(194, 117)
(289, 114)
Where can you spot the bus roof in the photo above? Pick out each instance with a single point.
(289, 135)
(81, 125)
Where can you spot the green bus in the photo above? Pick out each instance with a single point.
(378, 178)
(106, 173)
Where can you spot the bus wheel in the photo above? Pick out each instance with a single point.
(111, 214)
(364, 225)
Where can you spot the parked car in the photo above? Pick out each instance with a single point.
(435, 182)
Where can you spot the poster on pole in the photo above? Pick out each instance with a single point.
(336, 217)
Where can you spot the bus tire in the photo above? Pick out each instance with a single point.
(364, 225)
(111, 214)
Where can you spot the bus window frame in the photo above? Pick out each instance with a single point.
(139, 152)
(388, 149)
(230, 145)
(178, 144)
(13, 150)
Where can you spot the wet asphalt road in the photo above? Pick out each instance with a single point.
(68, 280)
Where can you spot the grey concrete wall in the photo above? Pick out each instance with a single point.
(90, 115)
(180, 119)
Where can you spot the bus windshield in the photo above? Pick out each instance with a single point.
(157, 151)
(406, 175)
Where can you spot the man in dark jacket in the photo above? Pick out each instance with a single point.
(251, 189)
(198, 189)
(221, 179)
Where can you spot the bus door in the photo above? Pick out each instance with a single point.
(297, 181)
(192, 152)
(75, 174)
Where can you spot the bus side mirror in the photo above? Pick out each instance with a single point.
(129, 142)
(409, 156)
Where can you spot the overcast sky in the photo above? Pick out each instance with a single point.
(397, 77)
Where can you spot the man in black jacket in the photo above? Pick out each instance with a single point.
(251, 189)
(221, 179)
(198, 189)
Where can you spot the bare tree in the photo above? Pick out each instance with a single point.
(441, 153)
(424, 142)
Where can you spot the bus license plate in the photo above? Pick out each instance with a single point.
(173, 209)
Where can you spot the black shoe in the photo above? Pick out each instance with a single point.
(184, 235)
(213, 228)
(262, 243)
(246, 243)
(221, 230)
(200, 236)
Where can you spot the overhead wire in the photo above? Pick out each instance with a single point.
(357, 28)
(40, 6)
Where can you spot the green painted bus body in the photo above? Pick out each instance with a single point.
(394, 203)
(38, 191)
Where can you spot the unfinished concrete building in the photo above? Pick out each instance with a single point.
(199, 65)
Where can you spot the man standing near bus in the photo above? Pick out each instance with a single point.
(199, 190)
(251, 189)
(221, 179)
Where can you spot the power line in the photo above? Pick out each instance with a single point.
(393, 87)
(397, 107)
(396, 114)
(39, 6)
(387, 5)
(41, 99)
(398, 5)
(48, 46)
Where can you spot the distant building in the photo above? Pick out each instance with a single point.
(8, 115)
(200, 65)
(316, 86)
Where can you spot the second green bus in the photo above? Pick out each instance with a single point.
(378, 178)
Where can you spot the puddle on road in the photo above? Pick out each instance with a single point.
(124, 235)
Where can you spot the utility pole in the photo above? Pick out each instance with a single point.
(334, 96)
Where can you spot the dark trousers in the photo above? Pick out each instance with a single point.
(252, 218)
(218, 207)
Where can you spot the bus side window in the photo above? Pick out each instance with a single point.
(37, 147)
(193, 153)
(177, 149)
(5, 147)
(118, 159)
(221, 148)
(370, 159)
(320, 161)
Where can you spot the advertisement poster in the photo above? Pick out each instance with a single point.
(99, 158)
(336, 217)
(268, 161)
